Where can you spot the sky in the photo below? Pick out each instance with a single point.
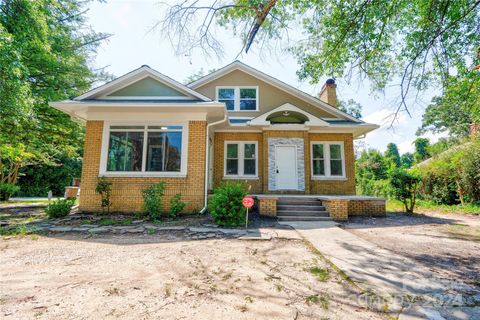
(133, 43)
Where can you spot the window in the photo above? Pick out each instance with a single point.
(328, 160)
(241, 159)
(238, 98)
(145, 149)
(227, 95)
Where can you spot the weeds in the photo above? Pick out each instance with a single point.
(320, 273)
(322, 300)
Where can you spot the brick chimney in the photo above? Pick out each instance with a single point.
(328, 93)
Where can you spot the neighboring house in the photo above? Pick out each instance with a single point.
(235, 124)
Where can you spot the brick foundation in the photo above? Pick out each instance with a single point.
(267, 206)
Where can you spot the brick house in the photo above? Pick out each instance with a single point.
(235, 124)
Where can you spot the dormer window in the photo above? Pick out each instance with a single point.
(238, 98)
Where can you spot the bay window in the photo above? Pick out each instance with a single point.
(241, 158)
(328, 160)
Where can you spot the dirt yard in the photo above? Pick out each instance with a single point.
(449, 244)
(168, 276)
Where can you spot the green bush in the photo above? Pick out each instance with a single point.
(152, 202)
(59, 208)
(176, 205)
(226, 207)
(7, 190)
(404, 186)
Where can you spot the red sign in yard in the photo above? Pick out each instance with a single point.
(247, 202)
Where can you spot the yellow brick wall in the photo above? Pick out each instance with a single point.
(219, 161)
(372, 207)
(267, 207)
(338, 209)
(340, 187)
(126, 191)
(344, 187)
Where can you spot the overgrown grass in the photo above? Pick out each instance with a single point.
(322, 300)
(114, 222)
(17, 230)
(428, 206)
(23, 202)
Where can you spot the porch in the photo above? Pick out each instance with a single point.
(319, 207)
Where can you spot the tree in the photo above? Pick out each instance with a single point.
(197, 75)
(457, 108)
(404, 186)
(421, 149)
(414, 44)
(393, 154)
(407, 159)
(350, 107)
(46, 49)
(371, 170)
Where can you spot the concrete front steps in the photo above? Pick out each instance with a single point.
(301, 209)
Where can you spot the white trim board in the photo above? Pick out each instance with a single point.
(136, 75)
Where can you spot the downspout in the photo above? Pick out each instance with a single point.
(207, 158)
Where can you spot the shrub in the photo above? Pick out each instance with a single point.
(59, 208)
(176, 205)
(226, 204)
(7, 190)
(152, 202)
(404, 187)
(37, 180)
(104, 189)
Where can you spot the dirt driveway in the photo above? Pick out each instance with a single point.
(449, 244)
(159, 277)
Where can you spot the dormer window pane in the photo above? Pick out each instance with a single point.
(227, 96)
(248, 93)
(248, 99)
(238, 98)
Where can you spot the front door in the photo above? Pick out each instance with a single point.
(286, 167)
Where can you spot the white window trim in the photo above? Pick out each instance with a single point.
(105, 144)
(241, 158)
(236, 107)
(326, 158)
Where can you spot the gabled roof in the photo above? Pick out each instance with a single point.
(136, 75)
(237, 65)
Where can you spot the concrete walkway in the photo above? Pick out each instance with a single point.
(406, 287)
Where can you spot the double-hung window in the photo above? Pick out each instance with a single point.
(238, 98)
(328, 160)
(241, 158)
(150, 149)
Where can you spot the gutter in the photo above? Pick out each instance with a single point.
(207, 158)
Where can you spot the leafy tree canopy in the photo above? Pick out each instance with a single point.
(393, 154)
(457, 108)
(46, 49)
(421, 149)
(412, 44)
(350, 107)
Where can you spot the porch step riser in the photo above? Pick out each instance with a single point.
(295, 218)
(281, 213)
(299, 203)
(300, 207)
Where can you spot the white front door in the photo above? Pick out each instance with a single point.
(286, 167)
